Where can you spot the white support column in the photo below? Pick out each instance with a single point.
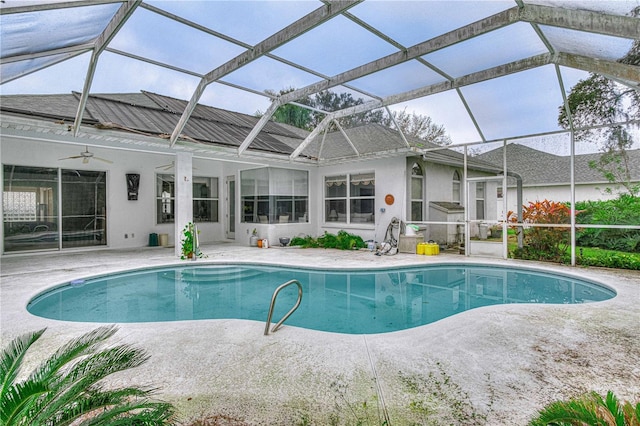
(184, 195)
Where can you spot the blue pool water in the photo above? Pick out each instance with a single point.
(346, 301)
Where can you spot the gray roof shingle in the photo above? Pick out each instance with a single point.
(542, 168)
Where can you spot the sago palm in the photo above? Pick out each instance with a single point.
(589, 410)
(68, 387)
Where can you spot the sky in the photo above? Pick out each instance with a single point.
(522, 103)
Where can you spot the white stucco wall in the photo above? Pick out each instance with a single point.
(558, 193)
(135, 219)
(390, 175)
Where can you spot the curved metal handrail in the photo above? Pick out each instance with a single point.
(273, 303)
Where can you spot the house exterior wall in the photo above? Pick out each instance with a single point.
(390, 176)
(137, 219)
(129, 222)
(134, 218)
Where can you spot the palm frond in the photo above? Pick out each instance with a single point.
(590, 409)
(568, 413)
(16, 401)
(67, 388)
(12, 357)
(101, 407)
(72, 350)
(83, 376)
(631, 414)
(134, 413)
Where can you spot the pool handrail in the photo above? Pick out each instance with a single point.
(273, 303)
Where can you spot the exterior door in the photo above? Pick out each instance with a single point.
(485, 236)
(230, 202)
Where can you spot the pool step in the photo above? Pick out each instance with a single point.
(217, 275)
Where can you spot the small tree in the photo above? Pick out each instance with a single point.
(590, 410)
(67, 388)
(544, 243)
(600, 101)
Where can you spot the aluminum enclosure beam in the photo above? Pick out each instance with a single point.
(620, 26)
(499, 71)
(599, 66)
(477, 28)
(283, 36)
(102, 41)
(582, 20)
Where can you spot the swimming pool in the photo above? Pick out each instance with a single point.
(344, 301)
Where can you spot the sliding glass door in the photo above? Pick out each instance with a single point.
(48, 208)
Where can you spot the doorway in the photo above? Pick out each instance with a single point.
(485, 234)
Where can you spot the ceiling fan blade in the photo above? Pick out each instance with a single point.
(71, 158)
(166, 166)
(103, 160)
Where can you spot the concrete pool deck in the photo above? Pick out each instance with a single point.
(494, 365)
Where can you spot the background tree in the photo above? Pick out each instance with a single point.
(599, 101)
(413, 125)
(330, 101)
(419, 127)
(293, 115)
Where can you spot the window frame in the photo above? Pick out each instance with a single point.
(456, 187)
(165, 204)
(274, 195)
(417, 201)
(348, 200)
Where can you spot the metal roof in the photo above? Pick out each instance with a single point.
(486, 70)
(154, 115)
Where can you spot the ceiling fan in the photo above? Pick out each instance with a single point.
(86, 156)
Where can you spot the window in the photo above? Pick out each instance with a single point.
(480, 200)
(33, 219)
(19, 206)
(204, 193)
(455, 196)
(274, 195)
(352, 203)
(417, 185)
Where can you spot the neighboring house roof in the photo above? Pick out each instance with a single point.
(542, 168)
(375, 138)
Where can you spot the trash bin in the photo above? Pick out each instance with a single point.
(153, 240)
(163, 239)
(483, 228)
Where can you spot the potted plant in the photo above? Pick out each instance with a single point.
(253, 240)
(496, 231)
(190, 249)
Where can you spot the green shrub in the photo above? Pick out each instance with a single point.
(607, 259)
(544, 243)
(589, 409)
(342, 241)
(624, 210)
(306, 242)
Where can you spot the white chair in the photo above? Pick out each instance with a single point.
(284, 218)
